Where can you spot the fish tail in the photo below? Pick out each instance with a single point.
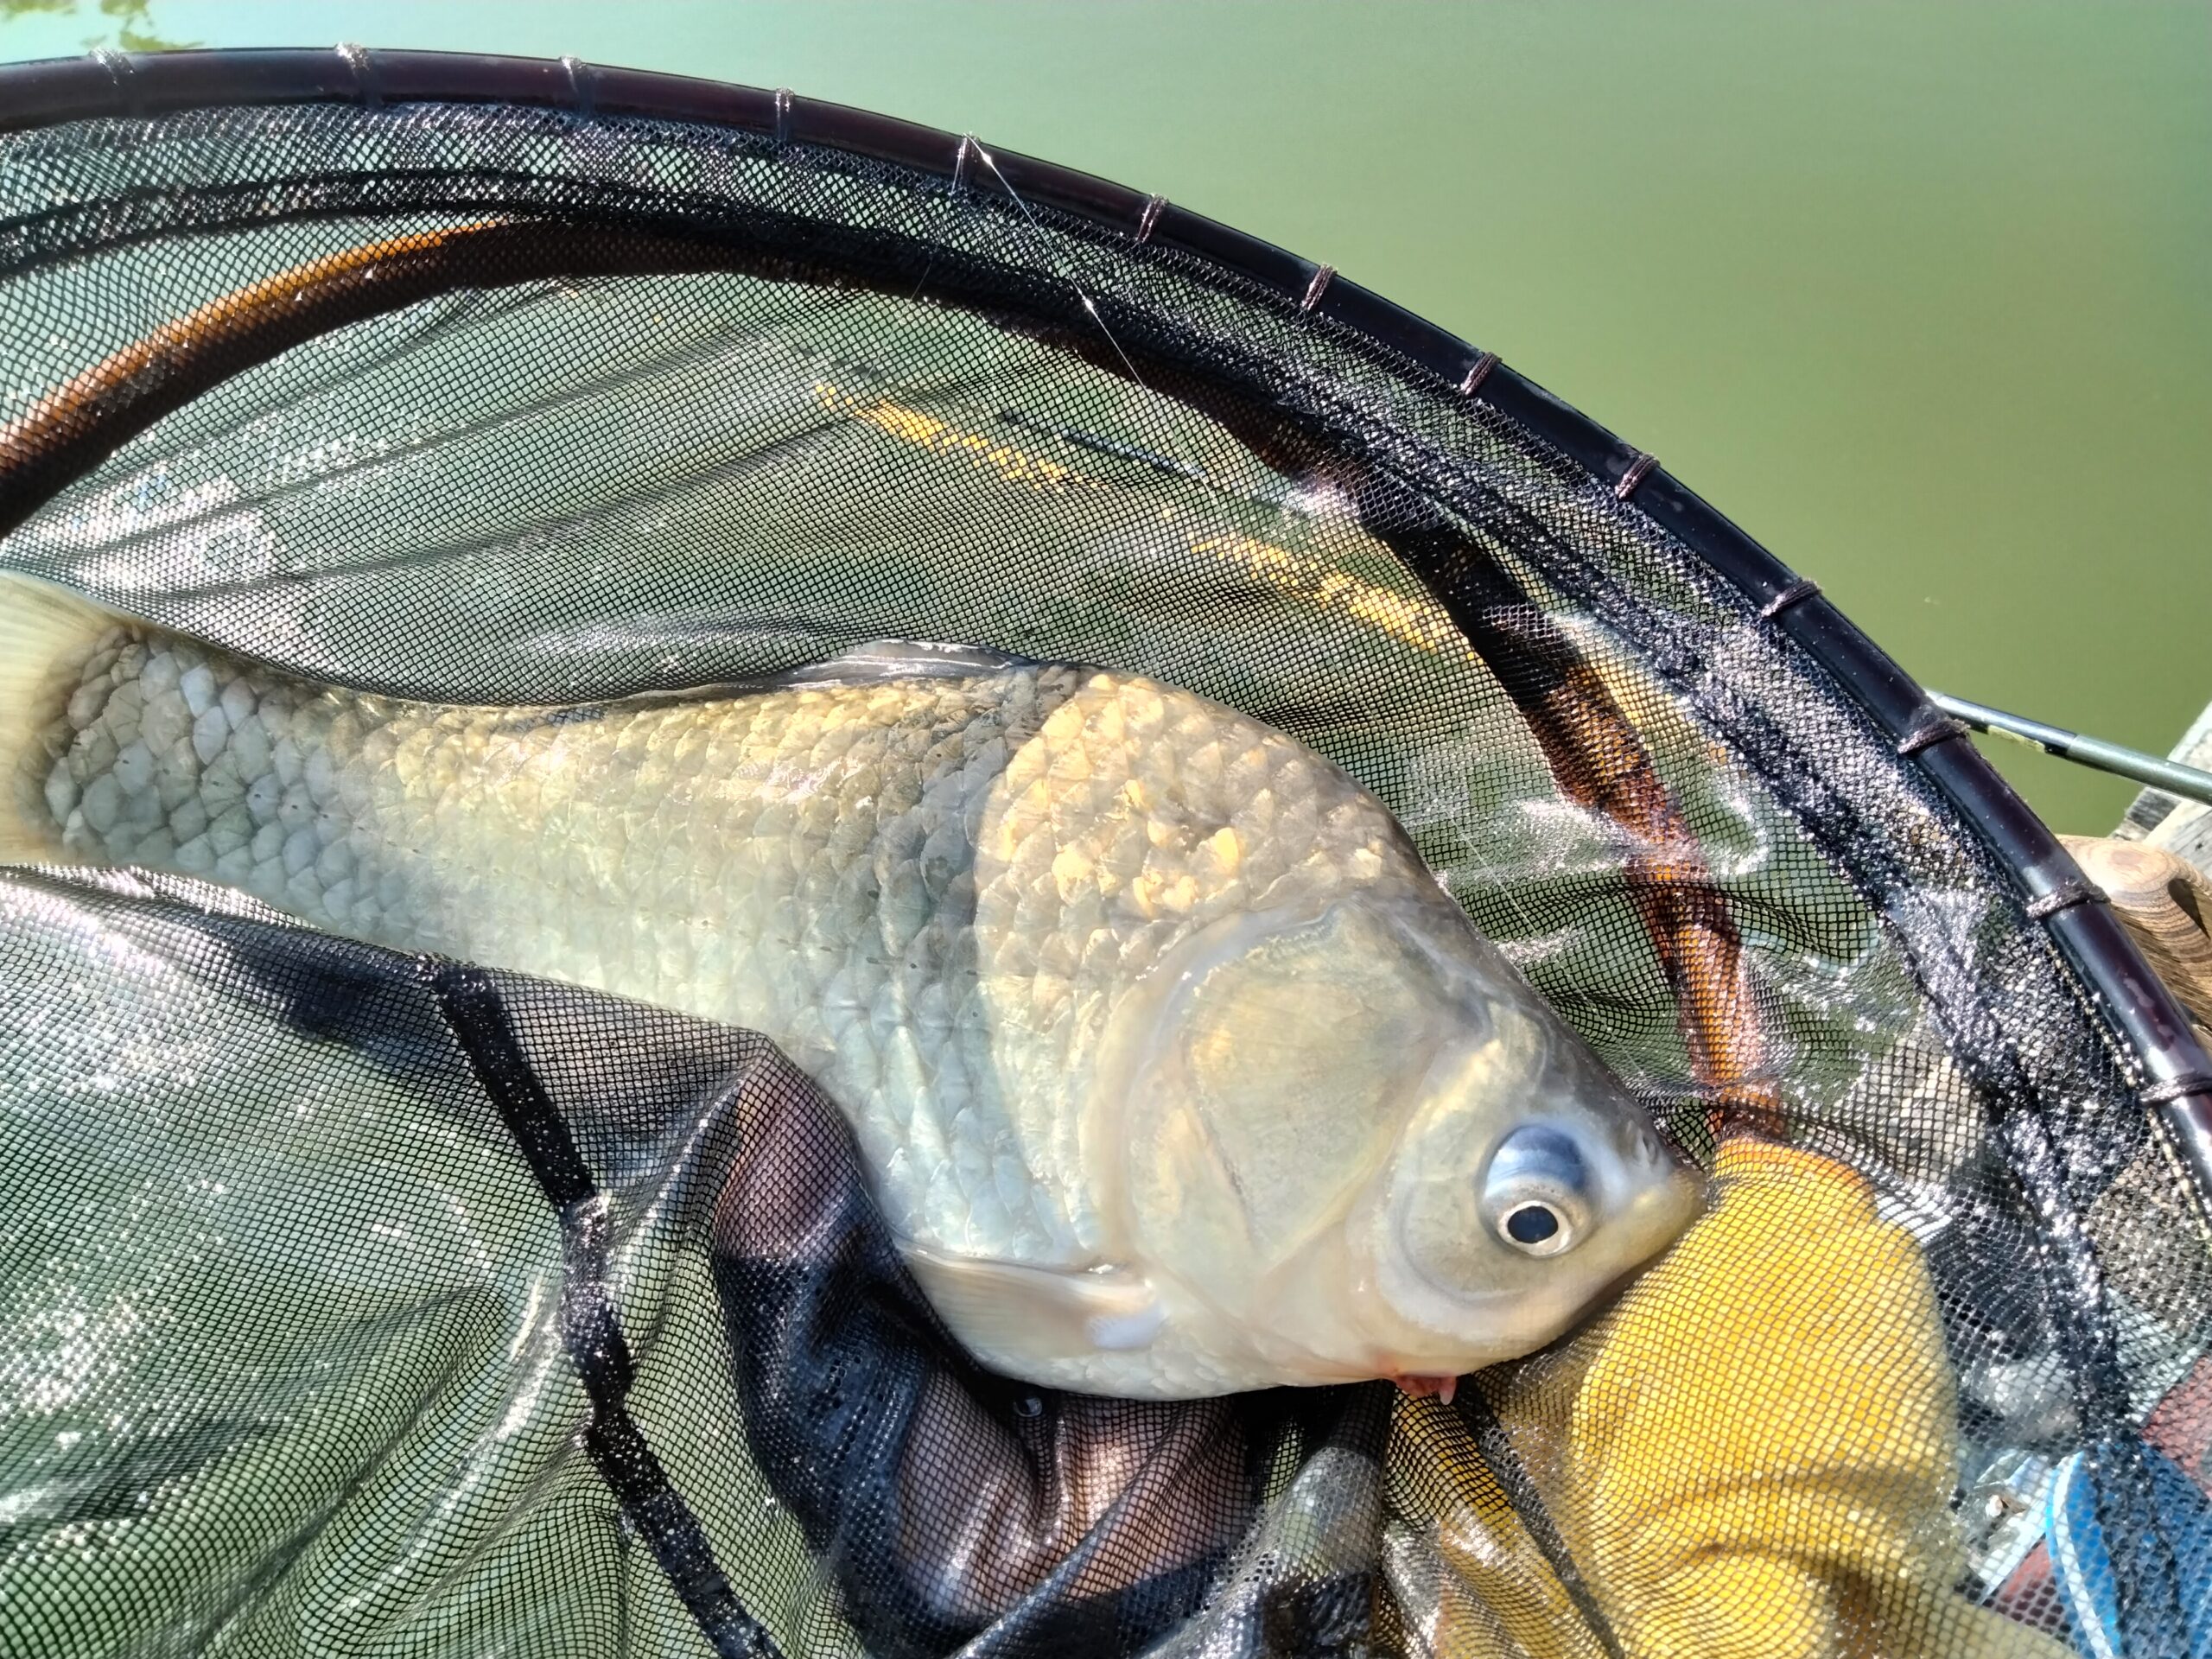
(46, 633)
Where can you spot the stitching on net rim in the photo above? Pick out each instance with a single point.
(52, 90)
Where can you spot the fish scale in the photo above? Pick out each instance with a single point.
(852, 812)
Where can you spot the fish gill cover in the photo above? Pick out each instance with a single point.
(363, 1300)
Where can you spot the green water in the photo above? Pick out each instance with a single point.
(1918, 294)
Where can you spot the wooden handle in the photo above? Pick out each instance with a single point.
(2165, 904)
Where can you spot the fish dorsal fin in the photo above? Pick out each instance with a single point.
(1038, 1314)
(901, 659)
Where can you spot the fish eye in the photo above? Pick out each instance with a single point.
(1531, 1225)
(1535, 1227)
(1537, 1192)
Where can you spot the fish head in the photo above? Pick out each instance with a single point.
(1525, 1184)
(1361, 1146)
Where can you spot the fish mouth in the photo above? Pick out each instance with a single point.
(1660, 1215)
(1648, 1230)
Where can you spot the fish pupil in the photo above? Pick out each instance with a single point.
(1532, 1223)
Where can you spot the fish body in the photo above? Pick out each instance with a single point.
(1173, 1067)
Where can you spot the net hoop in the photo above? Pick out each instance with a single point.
(2175, 1084)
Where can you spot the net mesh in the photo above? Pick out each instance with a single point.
(358, 1303)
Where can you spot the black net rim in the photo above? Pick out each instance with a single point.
(2177, 1071)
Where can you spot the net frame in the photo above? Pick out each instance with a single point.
(2175, 1077)
(2177, 1071)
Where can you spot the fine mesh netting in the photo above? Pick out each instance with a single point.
(364, 1303)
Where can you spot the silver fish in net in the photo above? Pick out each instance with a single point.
(1175, 1072)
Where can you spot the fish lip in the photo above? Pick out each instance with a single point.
(1666, 1210)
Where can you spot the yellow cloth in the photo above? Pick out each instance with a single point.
(1750, 1456)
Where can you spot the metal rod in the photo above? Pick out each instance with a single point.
(2169, 775)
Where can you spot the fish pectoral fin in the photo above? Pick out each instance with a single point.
(1006, 1307)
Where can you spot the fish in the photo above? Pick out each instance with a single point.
(1174, 1070)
